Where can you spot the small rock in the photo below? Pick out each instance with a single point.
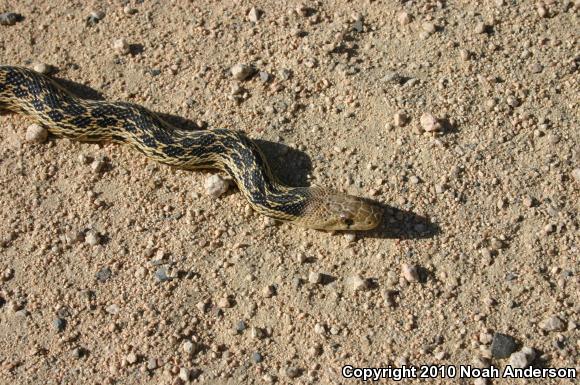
(554, 323)
(549, 228)
(42, 68)
(215, 185)
(241, 71)
(256, 333)
(430, 122)
(254, 15)
(10, 18)
(409, 272)
(104, 274)
(356, 282)
(59, 324)
(112, 309)
(240, 326)
(184, 374)
(92, 238)
(98, 165)
(268, 291)
(528, 201)
(95, 16)
(404, 18)
(349, 237)
(189, 347)
(264, 76)
(428, 27)
(502, 345)
(161, 275)
(224, 303)
(128, 10)
(400, 119)
(521, 359)
(121, 46)
(131, 358)
(151, 364)
(314, 277)
(542, 11)
(257, 357)
(464, 54)
(36, 133)
(480, 28)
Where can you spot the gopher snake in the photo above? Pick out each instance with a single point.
(63, 114)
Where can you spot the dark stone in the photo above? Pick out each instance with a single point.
(104, 274)
(240, 326)
(59, 324)
(10, 18)
(257, 357)
(502, 345)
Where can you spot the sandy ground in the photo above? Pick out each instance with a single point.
(133, 274)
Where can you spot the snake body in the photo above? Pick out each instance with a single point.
(25, 91)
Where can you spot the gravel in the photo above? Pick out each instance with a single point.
(553, 323)
(410, 272)
(215, 186)
(59, 324)
(241, 72)
(429, 122)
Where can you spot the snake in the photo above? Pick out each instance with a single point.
(64, 114)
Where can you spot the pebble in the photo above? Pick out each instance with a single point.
(128, 10)
(151, 364)
(97, 165)
(264, 76)
(184, 374)
(554, 323)
(254, 15)
(404, 18)
(256, 333)
(480, 27)
(314, 277)
(7, 274)
(257, 357)
(104, 274)
(481, 381)
(268, 291)
(429, 122)
(215, 185)
(224, 303)
(161, 275)
(356, 282)
(131, 358)
(92, 238)
(409, 272)
(121, 46)
(10, 18)
(464, 54)
(576, 174)
(349, 237)
(42, 68)
(400, 119)
(428, 27)
(59, 324)
(240, 326)
(189, 347)
(542, 11)
(528, 201)
(502, 345)
(35, 133)
(95, 17)
(241, 71)
(522, 358)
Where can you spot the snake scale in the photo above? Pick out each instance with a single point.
(25, 91)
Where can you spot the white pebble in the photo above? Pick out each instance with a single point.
(429, 122)
(404, 18)
(36, 133)
(241, 71)
(314, 277)
(189, 347)
(92, 238)
(553, 323)
(97, 165)
(131, 358)
(42, 68)
(254, 15)
(350, 237)
(121, 46)
(215, 185)
(357, 283)
(184, 374)
(409, 272)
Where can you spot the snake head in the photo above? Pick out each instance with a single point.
(336, 211)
